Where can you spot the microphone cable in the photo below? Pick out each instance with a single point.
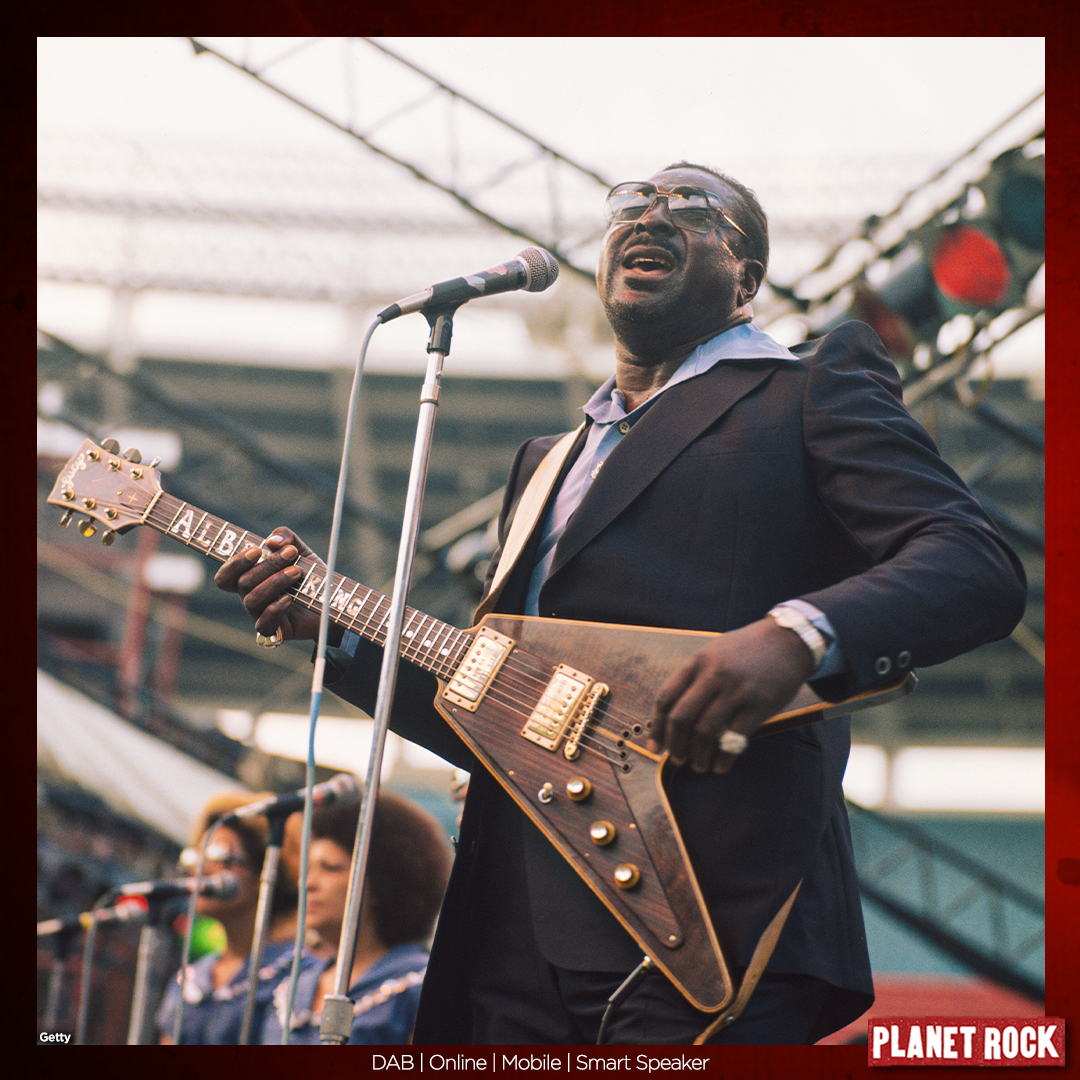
(621, 993)
(317, 684)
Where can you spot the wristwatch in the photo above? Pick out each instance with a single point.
(792, 619)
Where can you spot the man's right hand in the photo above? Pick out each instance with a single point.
(264, 586)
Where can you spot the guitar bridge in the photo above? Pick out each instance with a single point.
(487, 653)
(556, 709)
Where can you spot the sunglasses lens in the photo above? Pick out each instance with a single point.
(689, 210)
(629, 202)
(693, 212)
(219, 853)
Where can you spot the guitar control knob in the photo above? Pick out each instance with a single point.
(546, 793)
(578, 788)
(627, 875)
(602, 832)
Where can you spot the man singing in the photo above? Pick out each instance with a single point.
(719, 483)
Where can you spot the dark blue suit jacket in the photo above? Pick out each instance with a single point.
(750, 484)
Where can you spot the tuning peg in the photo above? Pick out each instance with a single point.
(111, 446)
(65, 517)
(87, 528)
(155, 463)
(133, 455)
(108, 537)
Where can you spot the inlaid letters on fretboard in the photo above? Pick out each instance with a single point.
(434, 645)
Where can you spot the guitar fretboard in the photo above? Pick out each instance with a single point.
(428, 642)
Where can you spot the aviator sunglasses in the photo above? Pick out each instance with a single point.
(215, 852)
(690, 208)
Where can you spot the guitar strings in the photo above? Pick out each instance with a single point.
(442, 651)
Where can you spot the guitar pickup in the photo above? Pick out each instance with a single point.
(486, 655)
(555, 710)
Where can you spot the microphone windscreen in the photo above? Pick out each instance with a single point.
(541, 269)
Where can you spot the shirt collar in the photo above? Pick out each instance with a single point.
(738, 344)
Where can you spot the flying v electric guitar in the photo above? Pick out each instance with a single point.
(557, 711)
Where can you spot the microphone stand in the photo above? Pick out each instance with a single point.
(150, 969)
(336, 1023)
(267, 881)
(63, 939)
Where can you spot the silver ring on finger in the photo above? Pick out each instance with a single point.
(271, 642)
(732, 742)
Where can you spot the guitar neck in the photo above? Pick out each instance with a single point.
(428, 642)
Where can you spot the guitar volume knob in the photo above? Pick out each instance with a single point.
(578, 788)
(627, 875)
(602, 833)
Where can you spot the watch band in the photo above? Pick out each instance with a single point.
(792, 619)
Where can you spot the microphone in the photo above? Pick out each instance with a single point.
(341, 789)
(222, 886)
(532, 270)
(129, 909)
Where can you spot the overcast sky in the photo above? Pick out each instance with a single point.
(771, 111)
(597, 99)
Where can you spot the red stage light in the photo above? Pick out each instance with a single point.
(969, 267)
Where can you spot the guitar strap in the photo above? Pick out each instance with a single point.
(762, 952)
(526, 516)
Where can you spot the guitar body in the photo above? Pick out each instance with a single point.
(662, 909)
(635, 860)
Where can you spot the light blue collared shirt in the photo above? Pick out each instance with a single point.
(611, 422)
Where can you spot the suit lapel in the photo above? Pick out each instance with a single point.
(677, 418)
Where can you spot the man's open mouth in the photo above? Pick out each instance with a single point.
(648, 261)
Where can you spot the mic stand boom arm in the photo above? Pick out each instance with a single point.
(336, 1023)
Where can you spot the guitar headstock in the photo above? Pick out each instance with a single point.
(107, 488)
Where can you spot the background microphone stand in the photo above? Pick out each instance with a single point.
(151, 969)
(62, 940)
(336, 1022)
(267, 882)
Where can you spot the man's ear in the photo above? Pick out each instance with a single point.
(753, 273)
